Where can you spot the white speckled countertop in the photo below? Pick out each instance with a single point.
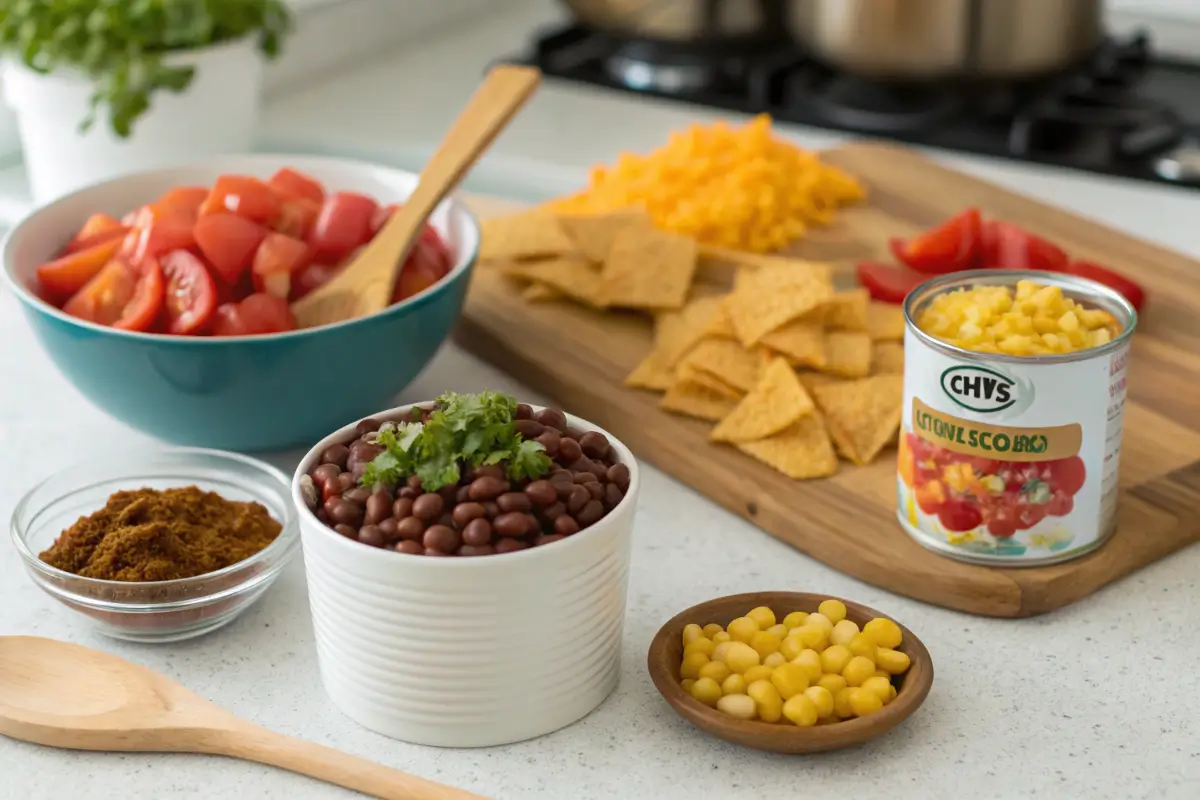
(1096, 701)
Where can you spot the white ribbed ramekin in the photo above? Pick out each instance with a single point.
(469, 652)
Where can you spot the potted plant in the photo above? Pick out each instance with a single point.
(103, 88)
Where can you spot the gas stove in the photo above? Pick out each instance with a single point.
(1123, 112)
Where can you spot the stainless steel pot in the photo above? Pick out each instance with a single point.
(899, 40)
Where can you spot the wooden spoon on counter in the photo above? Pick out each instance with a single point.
(365, 285)
(65, 695)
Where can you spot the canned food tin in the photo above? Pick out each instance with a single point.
(1011, 460)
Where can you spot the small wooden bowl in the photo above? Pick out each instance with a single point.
(666, 653)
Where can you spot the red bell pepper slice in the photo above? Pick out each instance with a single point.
(1008, 246)
(952, 246)
(1129, 289)
(888, 284)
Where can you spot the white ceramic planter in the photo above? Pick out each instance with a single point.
(469, 652)
(216, 115)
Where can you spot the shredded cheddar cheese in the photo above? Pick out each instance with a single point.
(735, 187)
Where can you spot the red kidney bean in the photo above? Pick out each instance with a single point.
(510, 545)
(619, 474)
(560, 475)
(330, 502)
(379, 507)
(584, 476)
(345, 482)
(490, 509)
(429, 551)
(595, 489)
(309, 492)
(409, 492)
(346, 512)
(599, 469)
(549, 439)
(321, 515)
(565, 525)
(524, 411)
(594, 444)
(336, 455)
(541, 493)
(446, 519)
(449, 495)
(490, 471)
(463, 513)
(409, 547)
(528, 429)
(359, 494)
(552, 418)
(410, 528)
(402, 507)
(366, 426)
(476, 550)
(370, 534)
(545, 539)
(553, 511)
(590, 514)
(348, 531)
(442, 538)
(514, 501)
(535, 524)
(477, 532)
(578, 498)
(428, 507)
(487, 487)
(388, 528)
(463, 494)
(325, 473)
(568, 451)
(413, 482)
(513, 525)
(612, 496)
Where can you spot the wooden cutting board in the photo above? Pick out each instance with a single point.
(579, 358)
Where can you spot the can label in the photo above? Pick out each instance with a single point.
(1008, 461)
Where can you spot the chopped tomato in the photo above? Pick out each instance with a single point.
(426, 265)
(191, 294)
(382, 215)
(1067, 475)
(343, 224)
(1008, 246)
(959, 515)
(279, 258)
(257, 314)
(296, 217)
(184, 198)
(293, 183)
(952, 246)
(120, 296)
(228, 242)
(65, 276)
(888, 284)
(311, 277)
(1127, 288)
(98, 228)
(414, 278)
(246, 196)
(160, 230)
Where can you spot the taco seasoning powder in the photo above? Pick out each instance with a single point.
(1014, 393)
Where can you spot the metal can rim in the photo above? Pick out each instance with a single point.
(1083, 289)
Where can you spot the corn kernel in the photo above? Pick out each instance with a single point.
(743, 629)
(835, 658)
(741, 657)
(720, 652)
(863, 645)
(813, 637)
(882, 687)
(822, 698)
(761, 672)
(767, 701)
(687, 684)
(738, 705)
(706, 690)
(821, 621)
(711, 629)
(843, 632)
(858, 670)
(863, 702)
(765, 643)
(715, 670)
(893, 662)
(795, 619)
(884, 632)
(700, 645)
(800, 711)
(779, 629)
(833, 610)
(880, 673)
(790, 679)
(841, 704)
(721, 637)
(832, 683)
(734, 684)
(774, 660)
(690, 668)
(691, 631)
(791, 647)
(762, 616)
(810, 661)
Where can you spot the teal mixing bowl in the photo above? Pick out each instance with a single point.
(252, 392)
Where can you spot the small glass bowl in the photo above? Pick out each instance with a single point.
(159, 611)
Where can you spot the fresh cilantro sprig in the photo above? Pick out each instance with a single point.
(119, 44)
(463, 429)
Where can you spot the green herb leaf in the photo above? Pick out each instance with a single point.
(528, 461)
(119, 45)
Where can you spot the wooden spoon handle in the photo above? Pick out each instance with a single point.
(252, 743)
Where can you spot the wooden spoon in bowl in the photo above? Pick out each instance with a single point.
(65, 695)
(365, 285)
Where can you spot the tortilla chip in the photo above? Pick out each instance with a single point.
(848, 310)
(688, 373)
(594, 235)
(776, 402)
(675, 333)
(688, 398)
(800, 451)
(847, 354)
(719, 326)
(526, 234)
(773, 296)
(647, 268)
(802, 342)
(540, 293)
(887, 358)
(885, 322)
(726, 360)
(570, 275)
(810, 379)
(652, 374)
(863, 415)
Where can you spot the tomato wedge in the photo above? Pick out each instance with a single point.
(1129, 289)
(98, 228)
(888, 284)
(295, 184)
(278, 259)
(246, 196)
(184, 198)
(296, 217)
(1008, 246)
(120, 296)
(952, 246)
(228, 242)
(160, 230)
(311, 277)
(257, 314)
(343, 224)
(190, 297)
(65, 276)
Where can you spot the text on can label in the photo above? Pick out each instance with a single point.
(979, 389)
(997, 442)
